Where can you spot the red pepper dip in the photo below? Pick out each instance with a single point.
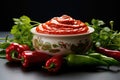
(63, 25)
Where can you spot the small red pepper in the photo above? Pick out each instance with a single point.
(30, 58)
(111, 53)
(14, 50)
(54, 63)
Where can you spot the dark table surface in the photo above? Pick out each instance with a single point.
(12, 71)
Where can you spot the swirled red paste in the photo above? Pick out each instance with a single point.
(62, 25)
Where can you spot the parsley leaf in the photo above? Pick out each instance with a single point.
(105, 36)
(21, 30)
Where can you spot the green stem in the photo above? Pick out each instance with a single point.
(13, 55)
(2, 38)
(6, 38)
(52, 65)
(111, 24)
(35, 25)
(113, 44)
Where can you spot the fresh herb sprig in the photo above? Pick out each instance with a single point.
(21, 33)
(105, 36)
(21, 30)
(5, 43)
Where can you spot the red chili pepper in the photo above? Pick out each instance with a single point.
(111, 53)
(54, 63)
(22, 48)
(30, 58)
(14, 50)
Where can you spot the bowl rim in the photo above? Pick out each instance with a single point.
(33, 30)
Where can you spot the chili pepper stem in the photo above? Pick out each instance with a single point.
(52, 65)
(13, 56)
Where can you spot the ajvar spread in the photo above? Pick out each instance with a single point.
(63, 25)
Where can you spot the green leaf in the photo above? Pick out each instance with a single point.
(4, 45)
(98, 44)
(100, 22)
(97, 22)
(2, 53)
(21, 30)
(25, 19)
(94, 22)
(117, 38)
(104, 35)
(106, 29)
